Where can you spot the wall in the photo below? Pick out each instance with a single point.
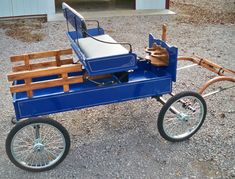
(26, 7)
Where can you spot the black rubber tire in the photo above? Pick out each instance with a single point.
(13, 120)
(24, 123)
(167, 106)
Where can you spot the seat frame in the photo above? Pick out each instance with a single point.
(101, 65)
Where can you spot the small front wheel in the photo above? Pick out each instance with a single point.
(182, 116)
(37, 144)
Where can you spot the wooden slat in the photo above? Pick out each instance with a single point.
(26, 62)
(44, 72)
(36, 55)
(65, 86)
(57, 58)
(46, 84)
(27, 84)
(35, 66)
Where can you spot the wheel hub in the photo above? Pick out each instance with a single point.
(38, 146)
(183, 117)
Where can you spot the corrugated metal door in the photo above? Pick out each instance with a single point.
(26, 7)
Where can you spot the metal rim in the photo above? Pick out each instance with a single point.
(188, 118)
(38, 145)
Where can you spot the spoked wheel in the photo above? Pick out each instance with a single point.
(37, 144)
(182, 116)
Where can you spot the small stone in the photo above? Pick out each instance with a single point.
(222, 115)
(200, 160)
(178, 173)
(232, 173)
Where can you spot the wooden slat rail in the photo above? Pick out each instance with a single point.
(27, 58)
(37, 55)
(29, 86)
(44, 72)
(47, 84)
(34, 66)
(28, 71)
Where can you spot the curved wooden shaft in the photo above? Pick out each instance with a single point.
(214, 80)
(185, 58)
(208, 65)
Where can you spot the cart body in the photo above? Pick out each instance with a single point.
(142, 79)
(146, 81)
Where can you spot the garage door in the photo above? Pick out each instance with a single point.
(150, 4)
(26, 7)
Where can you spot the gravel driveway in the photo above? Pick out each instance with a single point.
(121, 140)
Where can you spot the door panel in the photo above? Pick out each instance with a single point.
(5, 8)
(150, 4)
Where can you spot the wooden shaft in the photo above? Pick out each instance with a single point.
(214, 80)
(185, 58)
(208, 65)
(212, 64)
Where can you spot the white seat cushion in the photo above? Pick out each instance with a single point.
(95, 49)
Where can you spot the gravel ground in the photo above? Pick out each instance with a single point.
(121, 140)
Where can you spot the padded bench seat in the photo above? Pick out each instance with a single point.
(95, 49)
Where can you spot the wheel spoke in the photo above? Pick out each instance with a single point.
(37, 145)
(191, 111)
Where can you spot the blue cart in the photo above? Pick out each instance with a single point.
(103, 72)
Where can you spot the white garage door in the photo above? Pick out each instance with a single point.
(26, 7)
(150, 4)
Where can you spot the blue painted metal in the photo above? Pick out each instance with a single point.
(75, 19)
(146, 81)
(173, 53)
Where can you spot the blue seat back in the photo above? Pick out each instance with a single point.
(75, 19)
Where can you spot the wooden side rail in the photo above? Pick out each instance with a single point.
(28, 58)
(63, 80)
(44, 72)
(28, 71)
